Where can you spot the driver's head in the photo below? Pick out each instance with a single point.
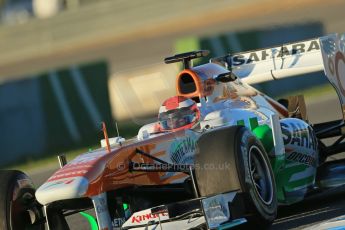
(178, 113)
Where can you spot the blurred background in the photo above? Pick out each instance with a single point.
(67, 65)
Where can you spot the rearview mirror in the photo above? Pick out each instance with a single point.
(225, 77)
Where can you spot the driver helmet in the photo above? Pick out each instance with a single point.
(178, 113)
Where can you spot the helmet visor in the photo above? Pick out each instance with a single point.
(175, 119)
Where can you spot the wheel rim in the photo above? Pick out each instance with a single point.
(260, 175)
(20, 201)
(21, 218)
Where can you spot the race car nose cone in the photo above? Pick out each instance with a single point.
(62, 189)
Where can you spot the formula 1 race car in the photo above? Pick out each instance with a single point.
(220, 154)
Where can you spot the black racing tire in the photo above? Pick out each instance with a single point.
(17, 201)
(250, 167)
(257, 177)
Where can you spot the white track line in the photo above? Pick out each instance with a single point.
(87, 99)
(64, 108)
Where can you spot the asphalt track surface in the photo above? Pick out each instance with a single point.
(315, 209)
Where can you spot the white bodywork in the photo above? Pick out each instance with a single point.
(63, 189)
(294, 59)
(320, 54)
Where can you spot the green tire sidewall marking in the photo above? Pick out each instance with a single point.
(92, 221)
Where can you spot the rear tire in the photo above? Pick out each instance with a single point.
(17, 201)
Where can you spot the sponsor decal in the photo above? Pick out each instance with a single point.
(277, 52)
(299, 135)
(300, 143)
(334, 62)
(67, 174)
(216, 210)
(101, 209)
(144, 218)
(56, 183)
(78, 167)
(215, 206)
(118, 222)
(101, 206)
(182, 151)
(85, 159)
(302, 158)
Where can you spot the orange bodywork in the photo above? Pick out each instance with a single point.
(110, 171)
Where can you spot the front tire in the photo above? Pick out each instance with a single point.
(18, 206)
(249, 171)
(257, 178)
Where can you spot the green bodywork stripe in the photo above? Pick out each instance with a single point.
(264, 134)
(295, 184)
(282, 180)
(240, 122)
(253, 122)
(91, 219)
(290, 170)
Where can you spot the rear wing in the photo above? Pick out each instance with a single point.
(320, 54)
